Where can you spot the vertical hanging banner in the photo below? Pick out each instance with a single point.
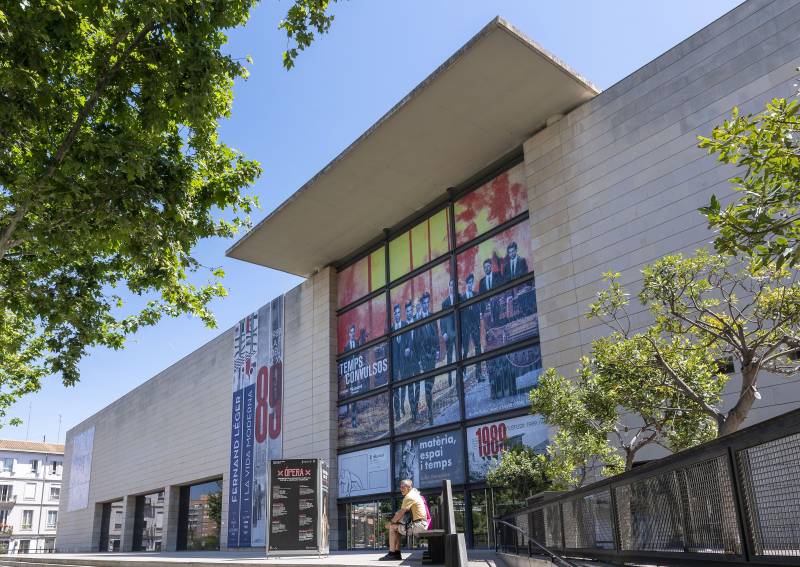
(256, 421)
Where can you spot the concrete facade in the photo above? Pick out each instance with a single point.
(617, 183)
(174, 429)
(614, 184)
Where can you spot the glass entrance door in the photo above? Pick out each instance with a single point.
(366, 524)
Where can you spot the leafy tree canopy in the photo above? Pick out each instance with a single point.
(764, 220)
(111, 169)
(618, 403)
(521, 470)
(710, 308)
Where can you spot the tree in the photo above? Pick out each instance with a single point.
(764, 221)
(521, 470)
(707, 307)
(618, 404)
(111, 170)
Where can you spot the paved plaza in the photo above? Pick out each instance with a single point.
(478, 558)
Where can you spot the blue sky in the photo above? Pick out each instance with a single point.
(294, 123)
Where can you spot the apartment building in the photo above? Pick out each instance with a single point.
(30, 490)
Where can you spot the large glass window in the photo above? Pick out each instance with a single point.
(500, 320)
(424, 348)
(456, 303)
(429, 460)
(502, 258)
(491, 204)
(501, 383)
(363, 371)
(362, 277)
(148, 526)
(426, 403)
(200, 515)
(421, 296)
(426, 241)
(111, 526)
(366, 524)
(364, 472)
(364, 421)
(487, 442)
(362, 324)
(481, 511)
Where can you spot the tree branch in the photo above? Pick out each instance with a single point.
(69, 139)
(684, 387)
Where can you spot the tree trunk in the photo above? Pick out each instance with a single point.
(736, 416)
(629, 455)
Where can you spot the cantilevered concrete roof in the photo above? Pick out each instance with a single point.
(483, 102)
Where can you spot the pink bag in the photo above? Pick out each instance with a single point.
(427, 512)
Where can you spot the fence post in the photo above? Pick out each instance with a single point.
(748, 547)
(614, 517)
(563, 531)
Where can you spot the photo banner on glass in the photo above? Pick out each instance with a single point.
(362, 324)
(426, 461)
(499, 320)
(501, 383)
(363, 371)
(426, 403)
(486, 443)
(364, 472)
(364, 421)
(424, 348)
(422, 296)
(504, 257)
(361, 278)
(492, 204)
(421, 244)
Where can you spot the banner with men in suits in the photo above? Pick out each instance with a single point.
(426, 403)
(361, 324)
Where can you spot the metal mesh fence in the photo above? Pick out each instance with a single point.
(770, 477)
(648, 514)
(546, 526)
(588, 523)
(696, 503)
(687, 509)
(709, 508)
(522, 523)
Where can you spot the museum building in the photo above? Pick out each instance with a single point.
(450, 254)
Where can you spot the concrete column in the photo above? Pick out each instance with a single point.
(97, 526)
(172, 498)
(325, 387)
(128, 515)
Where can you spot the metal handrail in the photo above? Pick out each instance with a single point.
(557, 559)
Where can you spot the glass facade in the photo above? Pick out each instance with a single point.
(200, 516)
(148, 524)
(111, 527)
(436, 362)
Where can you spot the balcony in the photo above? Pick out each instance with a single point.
(7, 502)
(6, 531)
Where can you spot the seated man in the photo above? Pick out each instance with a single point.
(414, 503)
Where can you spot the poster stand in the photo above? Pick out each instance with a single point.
(298, 508)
